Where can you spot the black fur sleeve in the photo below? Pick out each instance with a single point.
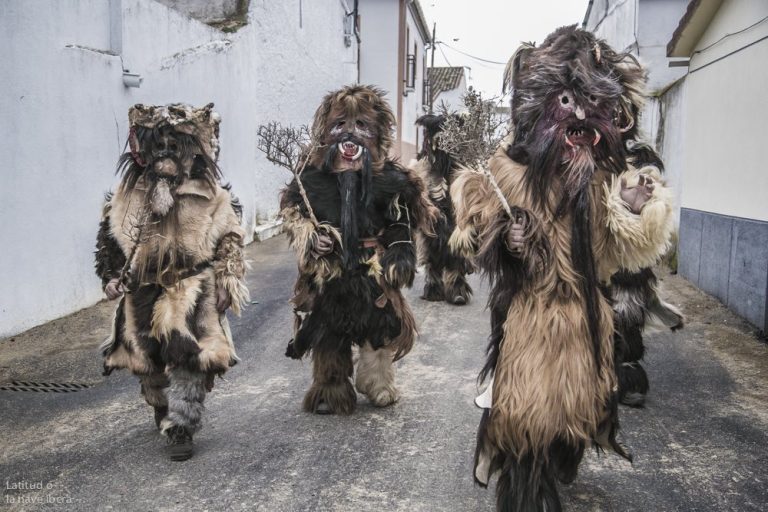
(110, 258)
(399, 259)
(406, 211)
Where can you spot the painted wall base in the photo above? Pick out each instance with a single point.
(267, 230)
(727, 257)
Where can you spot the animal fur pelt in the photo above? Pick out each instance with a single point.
(636, 300)
(445, 270)
(354, 261)
(564, 172)
(637, 304)
(170, 239)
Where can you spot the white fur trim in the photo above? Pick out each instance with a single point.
(639, 239)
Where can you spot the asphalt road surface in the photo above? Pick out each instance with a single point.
(700, 444)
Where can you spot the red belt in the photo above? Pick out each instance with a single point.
(369, 243)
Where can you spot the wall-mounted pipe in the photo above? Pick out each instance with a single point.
(116, 42)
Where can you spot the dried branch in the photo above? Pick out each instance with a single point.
(283, 145)
(302, 190)
(286, 146)
(472, 136)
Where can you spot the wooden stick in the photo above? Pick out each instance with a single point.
(498, 191)
(302, 190)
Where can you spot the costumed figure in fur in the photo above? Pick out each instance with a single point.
(445, 271)
(170, 247)
(350, 215)
(636, 299)
(637, 304)
(557, 213)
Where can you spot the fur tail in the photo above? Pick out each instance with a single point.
(528, 484)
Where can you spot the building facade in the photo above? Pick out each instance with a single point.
(70, 71)
(705, 117)
(394, 36)
(724, 211)
(448, 85)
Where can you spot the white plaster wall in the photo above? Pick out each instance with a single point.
(64, 120)
(615, 21)
(413, 101)
(378, 49)
(658, 20)
(724, 140)
(453, 99)
(665, 115)
(204, 10)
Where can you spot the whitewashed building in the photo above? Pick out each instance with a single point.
(70, 68)
(708, 126)
(394, 35)
(448, 85)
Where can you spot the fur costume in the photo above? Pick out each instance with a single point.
(636, 301)
(362, 208)
(445, 271)
(170, 238)
(564, 173)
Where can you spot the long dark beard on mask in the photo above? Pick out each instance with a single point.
(356, 194)
(544, 157)
(366, 171)
(576, 177)
(349, 189)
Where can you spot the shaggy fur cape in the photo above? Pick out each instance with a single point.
(551, 349)
(444, 270)
(356, 300)
(352, 295)
(168, 317)
(174, 323)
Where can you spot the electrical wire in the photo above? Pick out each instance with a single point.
(728, 54)
(471, 56)
(729, 35)
(446, 58)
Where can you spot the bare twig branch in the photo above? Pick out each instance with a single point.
(472, 136)
(134, 230)
(283, 145)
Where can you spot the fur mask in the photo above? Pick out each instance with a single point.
(166, 150)
(574, 102)
(353, 127)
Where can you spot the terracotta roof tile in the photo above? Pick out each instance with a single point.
(444, 79)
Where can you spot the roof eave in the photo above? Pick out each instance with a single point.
(692, 26)
(421, 22)
(586, 16)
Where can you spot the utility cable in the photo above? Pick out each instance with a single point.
(470, 55)
(729, 35)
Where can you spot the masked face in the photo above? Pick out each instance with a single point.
(354, 126)
(571, 103)
(168, 161)
(351, 138)
(163, 158)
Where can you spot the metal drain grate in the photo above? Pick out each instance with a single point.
(45, 387)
